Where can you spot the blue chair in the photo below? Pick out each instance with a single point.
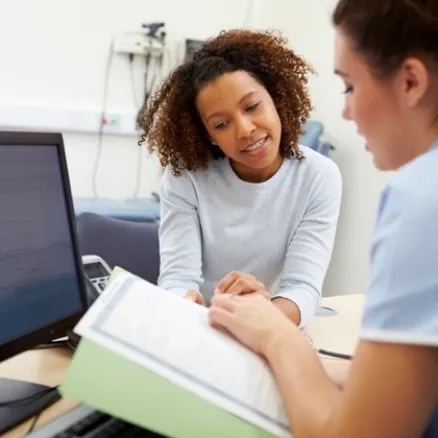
(131, 209)
(311, 137)
(133, 246)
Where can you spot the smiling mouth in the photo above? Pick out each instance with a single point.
(256, 146)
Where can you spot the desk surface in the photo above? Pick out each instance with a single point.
(48, 366)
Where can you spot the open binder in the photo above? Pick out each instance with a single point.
(114, 383)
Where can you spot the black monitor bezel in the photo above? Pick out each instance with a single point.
(60, 327)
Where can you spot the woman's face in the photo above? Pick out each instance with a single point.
(240, 117)
(393, 114)
(372, 104)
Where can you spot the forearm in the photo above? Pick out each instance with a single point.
(299, 304)
(311, 398)
(180, 265)
(337, 370)
(289, 308)
(180, 251)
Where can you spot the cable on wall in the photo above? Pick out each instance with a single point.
(134, 92)
(138, 108)
(153, 72)
(102, 118)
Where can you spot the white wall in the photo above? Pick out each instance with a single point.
(308, 28)
(54, 54)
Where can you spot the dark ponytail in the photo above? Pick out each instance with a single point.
(388, 31)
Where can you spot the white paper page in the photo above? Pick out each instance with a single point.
(172, 337)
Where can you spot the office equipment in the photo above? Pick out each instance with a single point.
(190, 47)
(84, 421)
(97, 270)
(42, 288)
(140, 43)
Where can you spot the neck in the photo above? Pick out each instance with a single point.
(252, 175)
(421, 140)
(425, 142)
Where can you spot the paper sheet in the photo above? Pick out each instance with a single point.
(171, 336)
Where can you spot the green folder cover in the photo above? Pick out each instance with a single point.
(113, 384)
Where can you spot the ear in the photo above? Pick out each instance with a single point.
(414, 81)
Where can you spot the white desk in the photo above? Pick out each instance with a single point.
(336, 333)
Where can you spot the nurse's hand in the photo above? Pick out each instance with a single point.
(252, 320)
(240, 283)
(195, 296)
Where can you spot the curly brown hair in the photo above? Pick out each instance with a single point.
(170, 121)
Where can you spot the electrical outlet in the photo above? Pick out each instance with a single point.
(111, 122)
(137, 43)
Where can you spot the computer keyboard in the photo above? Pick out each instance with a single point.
(85, 422)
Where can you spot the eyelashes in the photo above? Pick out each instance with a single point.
(220, 125)
(250, 108)
(253, 107)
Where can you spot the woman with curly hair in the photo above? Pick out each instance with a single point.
(245, 209)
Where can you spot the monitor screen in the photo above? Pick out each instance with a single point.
(39, 282)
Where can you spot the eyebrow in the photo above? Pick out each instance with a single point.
(250, 93)
(341, 73)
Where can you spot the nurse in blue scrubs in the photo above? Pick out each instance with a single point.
(387, 56)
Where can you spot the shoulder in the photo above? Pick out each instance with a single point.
(406, 222)
(405, 241)
(180, 185)
(317, 173)
(318, 167)
(192, 181)
(317, 162)
(416, 181)
(410, 195)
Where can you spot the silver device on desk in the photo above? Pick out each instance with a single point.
(97, 270)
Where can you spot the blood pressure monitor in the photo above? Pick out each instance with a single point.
(97, 270)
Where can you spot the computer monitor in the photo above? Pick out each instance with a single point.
(42, 284)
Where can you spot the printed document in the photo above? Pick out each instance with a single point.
(172, 337)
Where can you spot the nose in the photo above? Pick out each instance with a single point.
(245, 127)
(346, 114)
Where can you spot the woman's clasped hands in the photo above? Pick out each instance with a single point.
(239, 283)
(242, 306)
(234, 283)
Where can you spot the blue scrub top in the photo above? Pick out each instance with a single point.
(402, 301)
